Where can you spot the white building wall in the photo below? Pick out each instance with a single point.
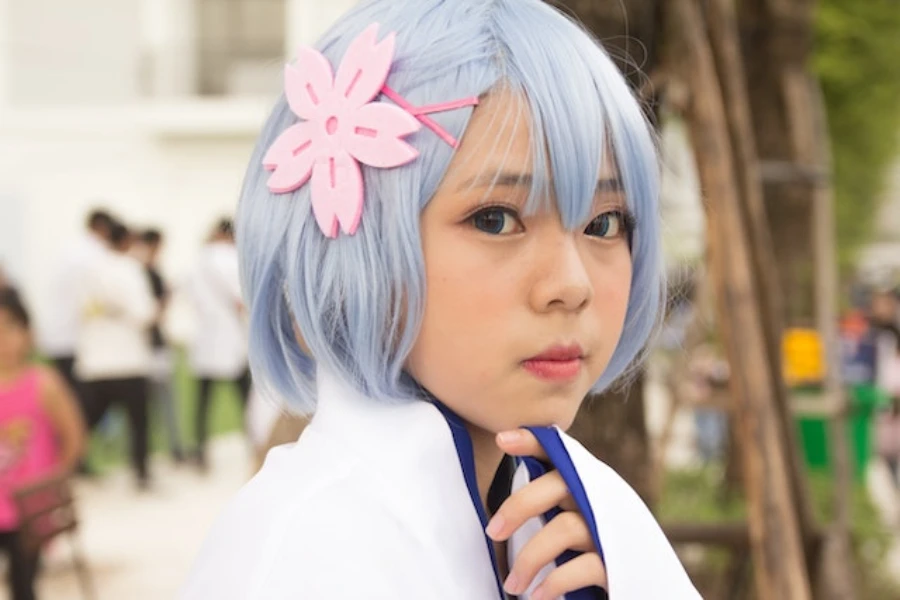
(309, 19)
(169, 53)
(148, 173)
(63, 52)
(97, 110)
(5, 30)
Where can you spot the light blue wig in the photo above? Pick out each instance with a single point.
(358, 300)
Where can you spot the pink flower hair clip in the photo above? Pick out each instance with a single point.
(342, 126)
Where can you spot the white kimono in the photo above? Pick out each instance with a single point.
(379, 502)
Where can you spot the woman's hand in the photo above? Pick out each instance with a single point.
(567, 531)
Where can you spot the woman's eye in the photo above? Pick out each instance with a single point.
(497, 221)
(609, 225)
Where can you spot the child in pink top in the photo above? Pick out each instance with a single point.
(41, 433)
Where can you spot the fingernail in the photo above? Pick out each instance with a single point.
(539, 594)
(509, 437)
(511, 585)
(495, 526)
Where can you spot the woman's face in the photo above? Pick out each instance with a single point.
(521, 316)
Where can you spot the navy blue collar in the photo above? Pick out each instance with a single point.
(555, 449)
(466, 453)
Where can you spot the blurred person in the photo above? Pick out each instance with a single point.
(218, 352)
(884, 309)
(162, 389)
(885, 319)
(858, 348)
(887, 439)
(60, 332)
(709, 375)
(41, 434)
(114, 354)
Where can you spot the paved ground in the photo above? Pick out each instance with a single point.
(140, 545)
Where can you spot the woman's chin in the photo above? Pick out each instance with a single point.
(561, 416)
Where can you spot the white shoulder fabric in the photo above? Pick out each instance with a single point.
(640, 561)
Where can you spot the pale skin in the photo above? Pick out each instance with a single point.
(502, 287)
(56, 398)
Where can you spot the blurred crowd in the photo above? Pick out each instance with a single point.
(870, 333)
(697, 371)
(104, 346)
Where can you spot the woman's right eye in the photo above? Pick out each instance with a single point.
(497, 221)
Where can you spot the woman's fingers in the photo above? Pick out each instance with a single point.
(521, 442)
(567, 531)
(580, 572)
(533, 500)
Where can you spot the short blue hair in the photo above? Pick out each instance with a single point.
(358, 300)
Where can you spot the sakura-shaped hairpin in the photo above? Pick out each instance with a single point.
(342, 126)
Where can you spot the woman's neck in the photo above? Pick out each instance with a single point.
(488, 457)
(10, 373)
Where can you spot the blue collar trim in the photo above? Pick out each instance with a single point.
(559, 457)
(464, 450)
(561, 461)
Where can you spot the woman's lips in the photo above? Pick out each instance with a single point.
(554, 370)
(558, 363)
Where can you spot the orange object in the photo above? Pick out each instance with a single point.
(803, 359)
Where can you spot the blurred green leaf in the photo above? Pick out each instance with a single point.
(857, 59)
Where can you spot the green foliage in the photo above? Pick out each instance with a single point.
(696, 496)
(856, 59)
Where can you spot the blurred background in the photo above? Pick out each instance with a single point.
(125, 131)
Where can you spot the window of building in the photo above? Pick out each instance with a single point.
(240, 46)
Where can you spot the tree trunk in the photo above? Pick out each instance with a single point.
(777, 42)
(725, 42)
(789, 116)
(777, 549)
(612, 426)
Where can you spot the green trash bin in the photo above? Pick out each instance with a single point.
(813, 430)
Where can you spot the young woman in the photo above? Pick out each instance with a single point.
(448, 237)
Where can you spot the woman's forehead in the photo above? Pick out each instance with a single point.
(498, 139)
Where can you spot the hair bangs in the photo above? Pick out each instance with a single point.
(584, 119)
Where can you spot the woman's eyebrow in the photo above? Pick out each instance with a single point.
(501, 179)
(610, 185)
(513, 179)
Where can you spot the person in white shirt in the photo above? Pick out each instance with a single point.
(162, 378)
(218, 352)
(113, 355)
(59, 332)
